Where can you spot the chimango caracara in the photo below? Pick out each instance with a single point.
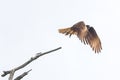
(85, 33)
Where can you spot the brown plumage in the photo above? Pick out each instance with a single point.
(86, 34)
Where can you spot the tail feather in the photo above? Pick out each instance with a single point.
(67, 31)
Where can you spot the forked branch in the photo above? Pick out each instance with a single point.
(12, 71)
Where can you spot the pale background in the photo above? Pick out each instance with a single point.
(31, 26)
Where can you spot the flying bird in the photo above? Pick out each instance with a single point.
(85, 33)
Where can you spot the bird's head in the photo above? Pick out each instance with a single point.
(88, 26)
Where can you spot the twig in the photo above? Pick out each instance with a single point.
(29, 61)
(22, 75)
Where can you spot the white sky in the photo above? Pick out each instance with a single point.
(31, 26)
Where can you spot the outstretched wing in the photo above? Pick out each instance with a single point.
(94, 40)
(67, 31)
(88, 35)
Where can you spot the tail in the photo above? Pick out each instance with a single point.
(67, 31)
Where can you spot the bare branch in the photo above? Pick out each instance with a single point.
(22, 75)
(29, 61)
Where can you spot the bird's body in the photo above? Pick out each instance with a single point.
(85, 33)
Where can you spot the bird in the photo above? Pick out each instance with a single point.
(85, 33)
